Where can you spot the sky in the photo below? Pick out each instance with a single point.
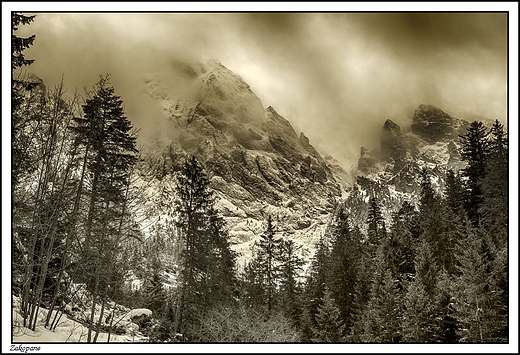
(335, 76)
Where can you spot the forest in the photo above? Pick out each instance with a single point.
(437, 274)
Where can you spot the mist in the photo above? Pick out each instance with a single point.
(335, 76)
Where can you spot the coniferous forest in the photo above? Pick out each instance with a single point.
(435, 272)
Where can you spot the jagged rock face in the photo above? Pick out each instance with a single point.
(393, 173)
(256, 161)
(433, 124)
(393, 145)
(367, 160)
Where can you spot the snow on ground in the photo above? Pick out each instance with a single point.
(70, 331)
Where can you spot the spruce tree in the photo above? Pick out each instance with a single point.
(207, 263)
(267, 261)
(192, 206)
(329, 326)
(476, 290)
(421, 310)
(292, 263)
(401, 251)
(109, 155)
(437, 227)
(495, 186)
(428, 197)
(474, 152)
(315, 285)
(376, 224)
(381, 320)
(221, 262)
(153, 288)
(344, 264)
(454, 192)
(21, 95)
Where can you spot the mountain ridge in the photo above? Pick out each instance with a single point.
(257, 163)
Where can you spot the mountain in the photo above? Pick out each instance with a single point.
(257, 163)
(392, 171)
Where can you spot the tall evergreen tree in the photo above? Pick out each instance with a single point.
(376, 223)
(495, 186)
(292, 263)
(476, 291)
(474, 152)
(382, 318)
(221, 264)
(109, 155)
(428, 197)
(344, 264)
(454, 192)
(421, 310)
(207, 263)
(329, 326)
(401, 244)
(315, 285)
(153, 288)
(21, 95)
(267, 255)
(437, 227)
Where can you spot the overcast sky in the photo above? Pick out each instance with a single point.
(335, 76)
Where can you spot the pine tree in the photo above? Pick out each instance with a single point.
(454, 192)
(376, 223)
(428, 197)
(329, 326)
(438, 225)
(474, 152)
(381, 320)
(401, 244)
(207, 264)
(21, 95)
(344, 260)
(251, 287)
(19, 44)
(221, 262)
(315, 286)
(417, 327)
(292, 263)
(267, 255)
(477, 305)
(153, 288)
(192, 206)
(109, 155)
(421, 310)
(495, 186)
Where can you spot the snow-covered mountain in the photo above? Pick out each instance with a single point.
(257, 163)
(392, 171)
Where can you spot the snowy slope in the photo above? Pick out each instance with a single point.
(71, 331)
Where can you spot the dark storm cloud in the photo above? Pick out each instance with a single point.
(353, 71)
(335, 76)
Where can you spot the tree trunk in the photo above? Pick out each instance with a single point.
(100, 319)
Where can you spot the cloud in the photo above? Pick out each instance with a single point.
(335, 76)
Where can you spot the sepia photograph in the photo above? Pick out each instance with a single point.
(296, 177)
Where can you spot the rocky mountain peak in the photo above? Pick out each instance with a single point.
(392, 143)
(257, 163)
(391, 127)
(432, 123)
(392, 171)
